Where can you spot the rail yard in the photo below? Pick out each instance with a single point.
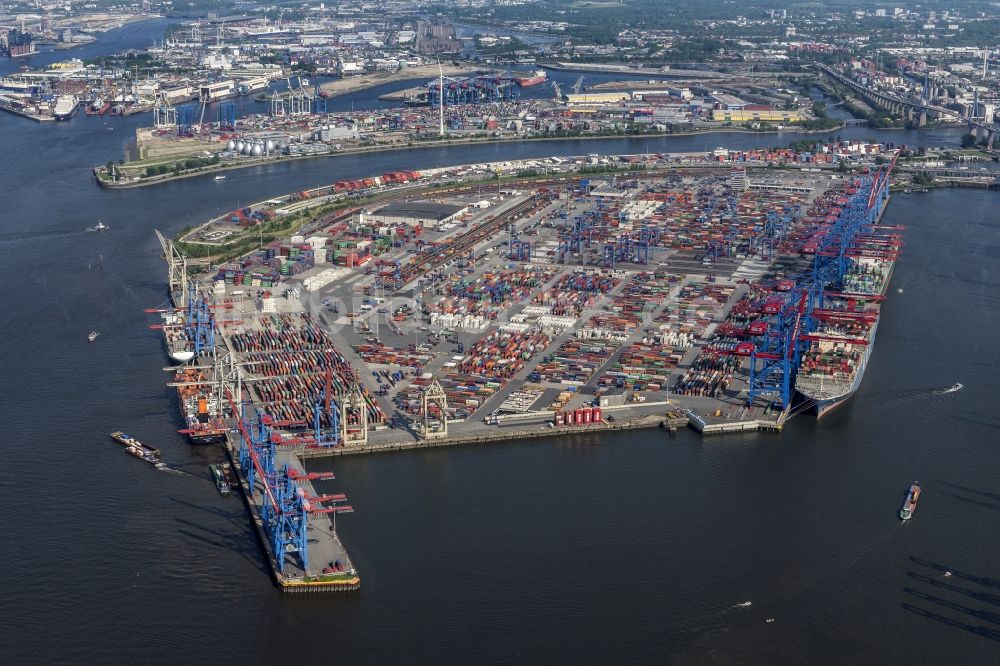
(452, 312)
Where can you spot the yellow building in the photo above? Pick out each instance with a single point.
(598, 98)
(753, 115)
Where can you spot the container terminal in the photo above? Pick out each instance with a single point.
(474, 313)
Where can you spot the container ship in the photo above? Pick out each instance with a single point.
(845, 320)
(833, 366)
(180, 347)
(537, 78)
(910, 505)
(200, 407)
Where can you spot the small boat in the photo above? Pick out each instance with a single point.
(219, 476)
(92, 336)
(136, 448)
(910, 505)
(899, 291)
(227, 471)
(100, 226)
(219, 178)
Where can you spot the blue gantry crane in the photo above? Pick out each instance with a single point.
(227, 116)
(473, 90)
(186, 118)
(326, 406)
(776, 359)
(520, 250)
(285, 506)
(318, 99)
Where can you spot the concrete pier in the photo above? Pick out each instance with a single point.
(324, 546)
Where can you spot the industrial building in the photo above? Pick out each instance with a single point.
(598, 98)
(219, 90)
(749, 114)
(729, 102)
(428, 214)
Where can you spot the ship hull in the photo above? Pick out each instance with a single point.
(822, 407)
(531, 81)
(180, 356)
(203, 439)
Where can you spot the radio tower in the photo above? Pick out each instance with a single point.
(440, 99)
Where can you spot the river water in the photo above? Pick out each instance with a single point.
(637, 546)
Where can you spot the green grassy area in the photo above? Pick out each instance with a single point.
(253, 238)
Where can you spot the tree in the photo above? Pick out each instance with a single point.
(969, 140)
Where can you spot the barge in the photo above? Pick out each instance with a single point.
(136, 448)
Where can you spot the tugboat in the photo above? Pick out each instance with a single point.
(219, 476)
(910, 505)
(100, 226)
(136, 448)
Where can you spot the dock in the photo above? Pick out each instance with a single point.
(325, 547)
(12, 108)
(667, 422)
(564, 308)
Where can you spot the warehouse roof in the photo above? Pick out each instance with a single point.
(420, 210)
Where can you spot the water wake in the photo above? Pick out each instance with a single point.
(163, 467)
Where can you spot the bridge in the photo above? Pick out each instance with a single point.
(908, 107)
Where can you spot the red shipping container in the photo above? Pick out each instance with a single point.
(559, 418)
(569, 418)
(596, 415)
(586, 415)
(578, 417)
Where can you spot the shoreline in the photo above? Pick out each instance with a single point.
(156, 180)
(666, 422)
